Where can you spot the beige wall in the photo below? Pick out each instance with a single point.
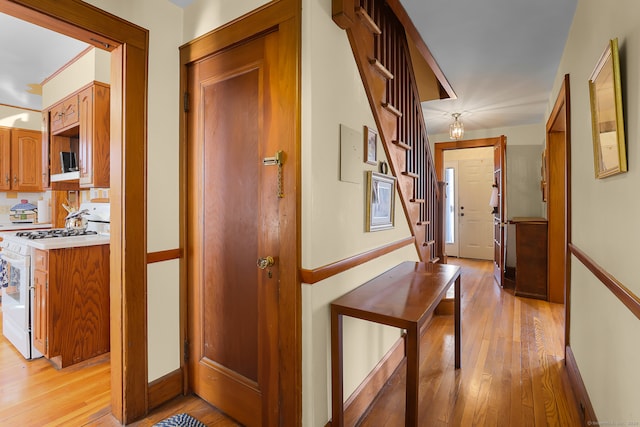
(333, 212)
(13, 117)
(164, 22)
(93, 65)
(605, 337)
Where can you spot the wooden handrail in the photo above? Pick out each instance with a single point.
(153, 257)
(628, 298)
(321, 273)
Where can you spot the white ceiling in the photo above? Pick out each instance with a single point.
(500, 57)
(29, 54)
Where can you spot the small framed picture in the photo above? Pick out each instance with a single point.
(370, 146)
(381, 196)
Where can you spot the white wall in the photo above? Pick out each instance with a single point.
(202, 16)
(605, 337)
(333, 212)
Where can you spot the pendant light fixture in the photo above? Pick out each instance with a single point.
(456, 129)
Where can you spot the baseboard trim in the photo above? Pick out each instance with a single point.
(165, 388)
(579, 390)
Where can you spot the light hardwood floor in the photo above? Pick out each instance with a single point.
(512, 373)
(34, 393)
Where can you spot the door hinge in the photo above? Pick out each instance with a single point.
(186, 102)
(46, 343)
(186, 351)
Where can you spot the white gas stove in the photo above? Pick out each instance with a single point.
(16, 270)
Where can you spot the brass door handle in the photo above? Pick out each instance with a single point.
(265, 262)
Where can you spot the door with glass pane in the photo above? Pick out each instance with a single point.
(451, 206)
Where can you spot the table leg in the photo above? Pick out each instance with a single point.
(336, 369)
(413, 375)
(458, 326)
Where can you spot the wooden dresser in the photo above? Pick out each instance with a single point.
(531, 257)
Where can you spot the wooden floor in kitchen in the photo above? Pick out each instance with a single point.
(34, 393)
(512, 373)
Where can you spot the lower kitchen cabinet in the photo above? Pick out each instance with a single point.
(71, 307)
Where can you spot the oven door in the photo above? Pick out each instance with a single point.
(16, 301)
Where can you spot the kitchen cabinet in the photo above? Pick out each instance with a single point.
(20, 160)
(64, 115)
(93, 156)
(71, 307)
(87, 136)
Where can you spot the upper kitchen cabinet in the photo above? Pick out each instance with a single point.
(64, 115)
(93, 156)
(85, 134)
(20, 160)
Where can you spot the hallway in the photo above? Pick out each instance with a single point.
(512, 373)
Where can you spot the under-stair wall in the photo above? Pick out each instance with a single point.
(380, 46)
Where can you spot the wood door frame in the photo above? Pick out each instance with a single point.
(438, 156)
(285, 15)
(129, 46)
(559, 125)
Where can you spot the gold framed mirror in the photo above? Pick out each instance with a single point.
(609, 152)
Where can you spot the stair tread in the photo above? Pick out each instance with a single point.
(403, 145)
(390, 108)
(429, 243)
(368, 20)
(381, 68)
(417, 200)
(423, 223)
(411, 174)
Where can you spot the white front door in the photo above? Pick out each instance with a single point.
(474, 213)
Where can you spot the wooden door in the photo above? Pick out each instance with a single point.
(233, 221)
(26, 160)
(499, 218)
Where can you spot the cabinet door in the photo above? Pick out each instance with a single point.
(85, 156)
(46, 163)
(40, 319)
(5, 159)
(94, 159)
(26, 160)
(64, 114)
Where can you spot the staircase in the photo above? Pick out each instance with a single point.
(380, 47)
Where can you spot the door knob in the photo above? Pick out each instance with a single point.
(265, 262)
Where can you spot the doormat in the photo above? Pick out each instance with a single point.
(180, 420)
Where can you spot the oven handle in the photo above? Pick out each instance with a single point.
(14, 261)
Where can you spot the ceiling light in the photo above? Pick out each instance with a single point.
(456, 129)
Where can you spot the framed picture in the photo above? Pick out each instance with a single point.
(605, 88)
(370, 146)
(381, 197)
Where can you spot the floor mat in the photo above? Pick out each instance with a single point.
(180, 420)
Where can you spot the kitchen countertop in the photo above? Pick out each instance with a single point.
(10, 226)
(69, 242)
(59, 242)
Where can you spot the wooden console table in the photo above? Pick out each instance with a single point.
(404, 297)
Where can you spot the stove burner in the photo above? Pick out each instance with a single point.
(55, 232)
